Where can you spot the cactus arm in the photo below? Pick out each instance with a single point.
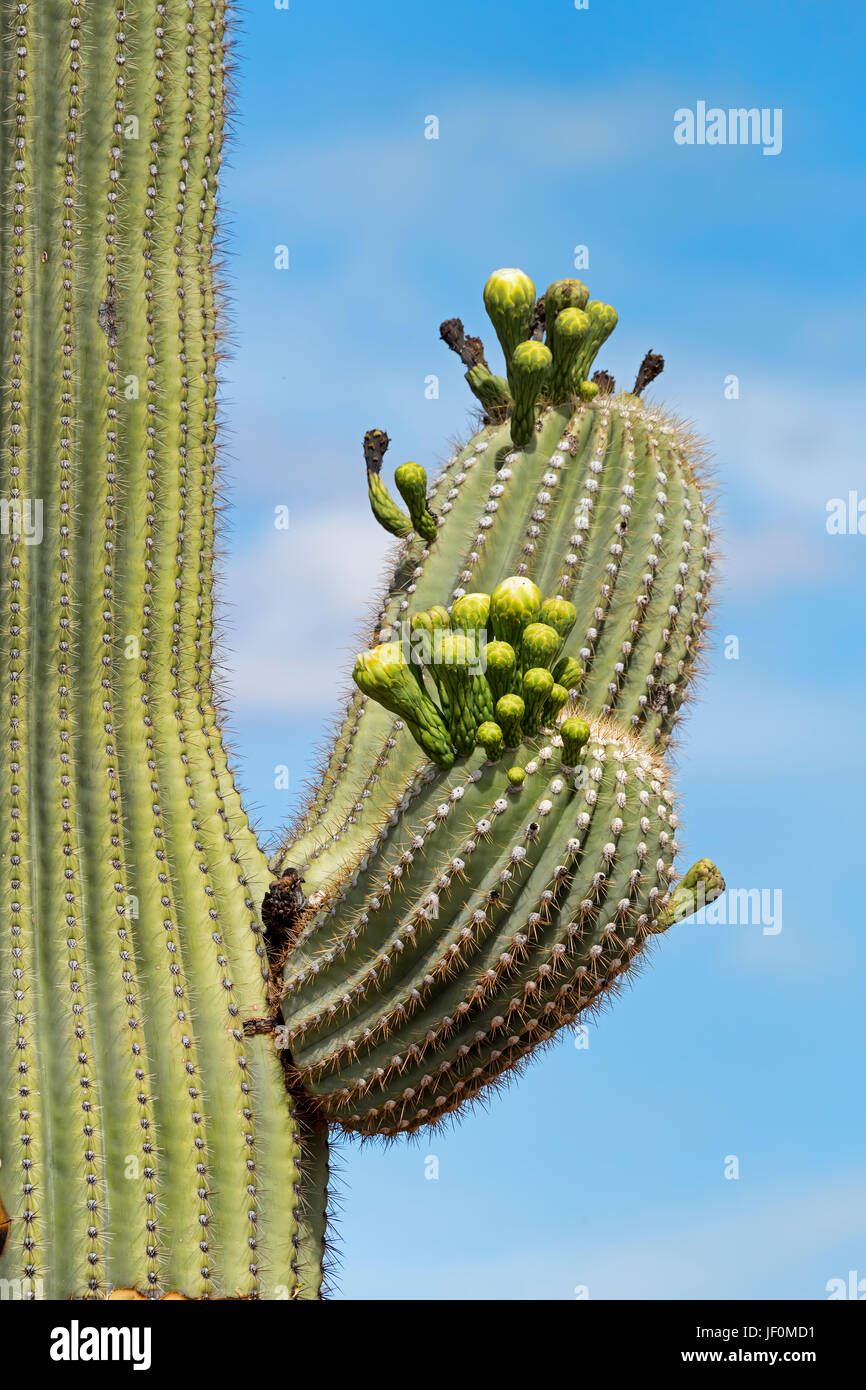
(358, 1081)
(463, 920)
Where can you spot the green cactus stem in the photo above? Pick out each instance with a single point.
(484, 922)
(459, 917)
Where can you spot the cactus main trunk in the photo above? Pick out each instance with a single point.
(146, 1142)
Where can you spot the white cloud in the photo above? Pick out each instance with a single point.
(294, 602)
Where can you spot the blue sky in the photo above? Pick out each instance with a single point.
(604, 1167)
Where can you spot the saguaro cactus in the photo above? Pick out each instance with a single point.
(493, 838)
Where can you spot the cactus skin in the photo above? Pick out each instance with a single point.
(457, 918)
(147, 1139)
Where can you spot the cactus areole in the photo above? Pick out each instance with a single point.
(493, 840)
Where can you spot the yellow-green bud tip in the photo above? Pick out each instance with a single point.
(509, 288)
(489, 737)
(531, 358)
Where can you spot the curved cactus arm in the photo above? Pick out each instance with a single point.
(483, 919)
(460, 916)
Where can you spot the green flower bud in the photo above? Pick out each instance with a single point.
(492, 391)
(457, 664)
(514, 604)
(702, 884)
(384, 508)
(432, 620)
(568, 672)
(530, 368)
(500, 663)
(570, 332)
(516, 776)
(560, 296)
(509, 715)
(555, 701)
(509, 298)
(382, 504)
(384, 674)
(558, 613)
(588, 390)
(411, 480)
(574, 733)
(470, 613)
(489, 736)
(537, 685)
(539, 645)
(603, 320)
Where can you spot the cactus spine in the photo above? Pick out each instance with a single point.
(493, 839)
